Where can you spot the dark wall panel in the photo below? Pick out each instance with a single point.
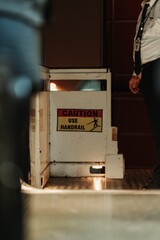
(134, 134)
(108, 45)
(74, 39)
(123, 43)
(129, 112)
(108, 9)
(126, 10)
(121, 18)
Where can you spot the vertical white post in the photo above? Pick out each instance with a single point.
(108, 99)
(35, 146)
(37, 143)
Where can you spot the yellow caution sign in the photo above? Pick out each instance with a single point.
(79, 120)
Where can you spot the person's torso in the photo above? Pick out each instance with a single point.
(150, 42)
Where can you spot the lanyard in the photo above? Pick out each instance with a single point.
(142, 23)
(147, 16)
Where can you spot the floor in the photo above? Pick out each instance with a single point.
(134, 179)
(89, 209)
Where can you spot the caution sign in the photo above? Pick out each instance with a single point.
(79, 120)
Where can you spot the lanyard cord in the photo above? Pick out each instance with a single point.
(142, 23)
(149, 12)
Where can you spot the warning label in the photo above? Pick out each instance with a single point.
(79, 120)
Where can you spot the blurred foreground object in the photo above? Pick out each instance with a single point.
(20, 22)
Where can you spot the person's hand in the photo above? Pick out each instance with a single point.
(133, 84)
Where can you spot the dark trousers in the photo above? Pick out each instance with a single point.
(150, 88)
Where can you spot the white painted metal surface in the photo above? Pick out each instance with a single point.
(74, 169)
(114, 166)
(39, 139)
(44, 73)
(67, 146)
(73, 153)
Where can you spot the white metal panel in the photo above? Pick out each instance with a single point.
(35, 142)
(114, 166)
(74, 169)
(44, 73)
(78, 146)
(72, 153)
(39, 139)
(78, 76)
(74, 70)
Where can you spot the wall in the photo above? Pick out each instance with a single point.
(74, 38)
(99, 33)
(129, 111)
(120, 27)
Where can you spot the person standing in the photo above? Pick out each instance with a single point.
(146, 74)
